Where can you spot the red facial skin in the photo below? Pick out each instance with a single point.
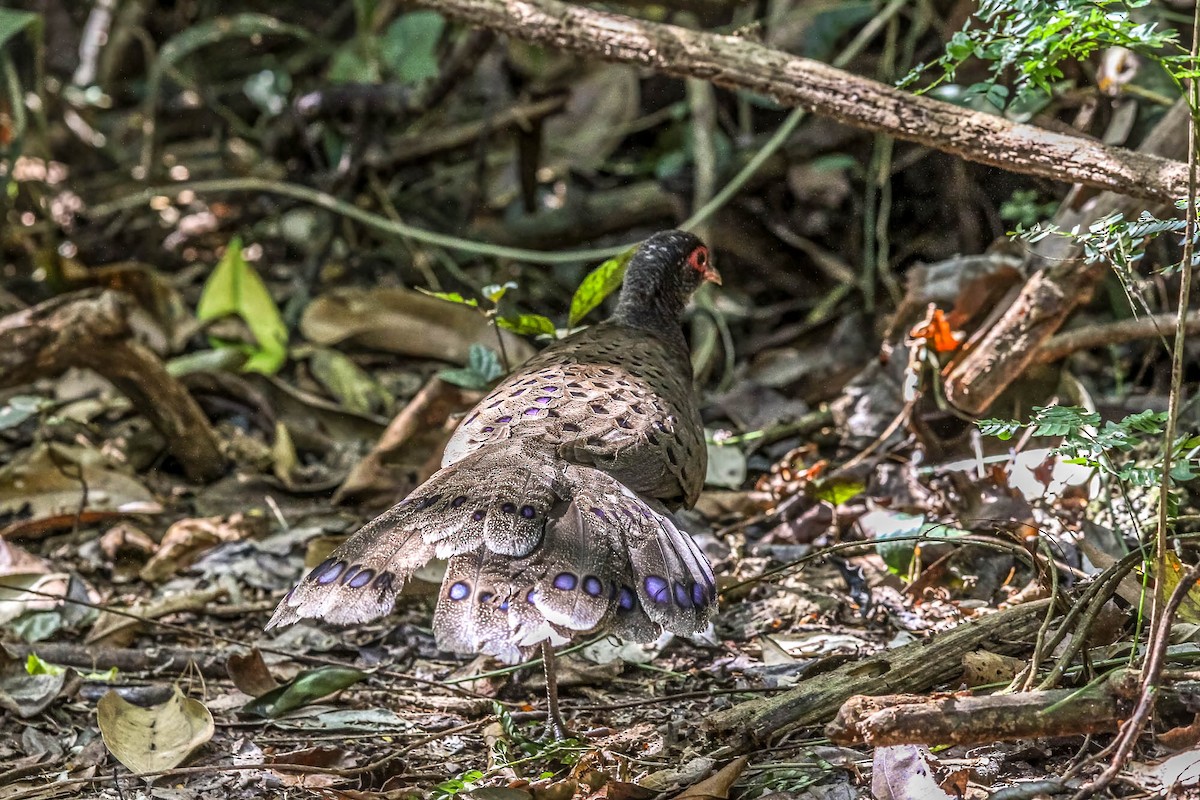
(698, 260)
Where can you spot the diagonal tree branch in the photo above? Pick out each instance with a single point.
(859, 102)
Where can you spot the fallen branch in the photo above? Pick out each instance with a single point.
(915, 667)
(1126, 330)
(905, 719)
(1062, 282)
(856, 101)
(160, 659)
(92, 332)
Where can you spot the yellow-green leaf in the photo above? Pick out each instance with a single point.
(838, 491)
(527, 324)
(599, 284)
(34, 665)
(236, 288)
(451, 297)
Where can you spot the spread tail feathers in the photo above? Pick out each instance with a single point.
(537, 550)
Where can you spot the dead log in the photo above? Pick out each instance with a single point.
(949, 720)
(92, 332)
(915, 667)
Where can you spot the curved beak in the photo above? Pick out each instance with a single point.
(712, 276)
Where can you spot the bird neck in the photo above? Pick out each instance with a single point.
(649, 308)
(652, 313)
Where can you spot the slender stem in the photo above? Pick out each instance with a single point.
(557, 729)
(381, 224)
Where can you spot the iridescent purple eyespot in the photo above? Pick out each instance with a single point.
(361, 579)
(532, 412)
(531, 596)
(488, 429)
(625, 599)
(528, 512)
(428, 501)
(485, 597)
(698, 595)
(319, 568)
(599, 512)
(657, 588)
(543, 400)
(331, 573)
(592, 585)
(459, 591)
(478, 515)
(518, 393)
(509, 508)
(682, 599)
(505, 418)
(458, 501)
(566, 581)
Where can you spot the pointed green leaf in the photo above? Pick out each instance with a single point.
(599, 284)
(451, 297)
(236, 288)
(306, 688)
(527, 325)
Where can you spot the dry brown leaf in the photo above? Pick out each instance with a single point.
(718, 784)
(406, 322)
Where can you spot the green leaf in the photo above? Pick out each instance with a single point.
(34, 665)
(409, 46)
(483, 367)
(599, 284)
(13, 22)
(236, 288)
(452, 297)
(528, 325)
(838, 490)
(305, 688)
(896, 542)
(1002, 429)
(348, 65)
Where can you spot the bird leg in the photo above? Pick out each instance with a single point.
(555, 726)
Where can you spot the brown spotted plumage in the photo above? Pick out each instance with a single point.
(551, 503)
